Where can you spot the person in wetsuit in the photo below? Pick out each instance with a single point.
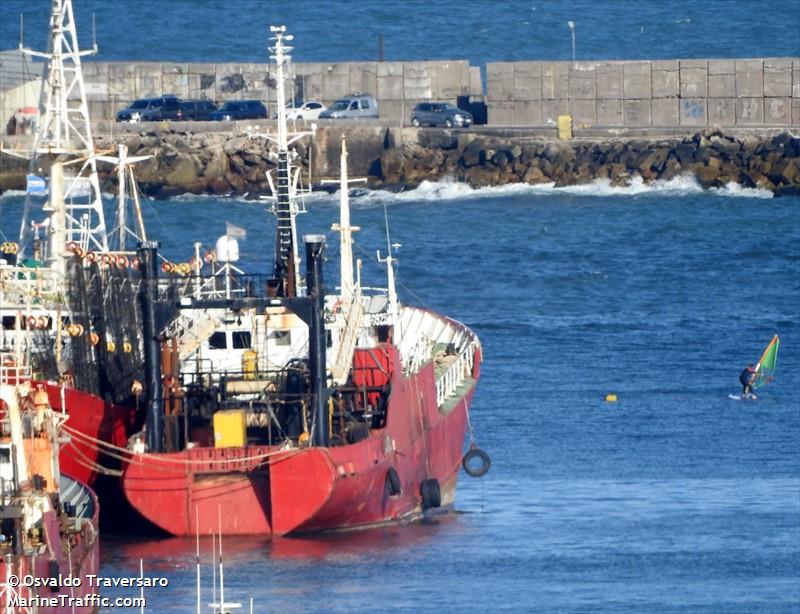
(746, 378)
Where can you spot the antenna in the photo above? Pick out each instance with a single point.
(197, 537)
(389, 260)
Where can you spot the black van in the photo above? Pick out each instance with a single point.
(196, 110)
(240, 109)
(150, 110)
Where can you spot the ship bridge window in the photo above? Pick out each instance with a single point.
(218, 341)
(241, 339)
(281, 337)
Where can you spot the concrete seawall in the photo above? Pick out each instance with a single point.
(667, 93)
(677, 94)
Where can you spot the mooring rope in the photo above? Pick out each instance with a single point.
(126, 455)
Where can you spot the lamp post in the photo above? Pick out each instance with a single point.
(571, 25)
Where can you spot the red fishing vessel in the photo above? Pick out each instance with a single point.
(292, 409)
(49, 539)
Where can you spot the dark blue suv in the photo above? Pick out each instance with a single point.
(240, 109)
(151, 110)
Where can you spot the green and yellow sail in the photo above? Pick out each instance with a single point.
(765, 369)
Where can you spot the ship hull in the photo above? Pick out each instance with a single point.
(93, 418)
(62, 569)
(262, 490)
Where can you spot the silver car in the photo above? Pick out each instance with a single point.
(356, 105)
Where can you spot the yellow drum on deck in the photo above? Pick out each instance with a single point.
(230, 428)
(250, 364)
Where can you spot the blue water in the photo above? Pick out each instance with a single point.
(480, 31)
(674, 499)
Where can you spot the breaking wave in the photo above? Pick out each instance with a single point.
(452, 190)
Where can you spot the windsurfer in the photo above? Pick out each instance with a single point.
(746, 378)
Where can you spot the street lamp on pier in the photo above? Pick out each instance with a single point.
(571, 25)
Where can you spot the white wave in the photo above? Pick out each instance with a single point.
(734, 189)
(451, 190)
(12, 194)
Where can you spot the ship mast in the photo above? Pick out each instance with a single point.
(126, 181)
(64, 129)
(286, 271)
(345, 229)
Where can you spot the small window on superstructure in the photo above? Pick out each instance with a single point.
(241, 339)
(280, 337)
(218, 341)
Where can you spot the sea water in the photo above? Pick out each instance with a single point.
(479, 31)
(675, 498)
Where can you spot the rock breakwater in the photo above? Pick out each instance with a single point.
(224, 164)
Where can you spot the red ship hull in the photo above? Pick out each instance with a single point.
(95, 418)
(312, 489)
(57, 564)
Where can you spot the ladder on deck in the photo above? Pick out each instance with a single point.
(354, 314)
(192, 332)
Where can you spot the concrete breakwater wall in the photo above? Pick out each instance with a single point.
(660, 93)
(397, 86)
(400, 158)
(688, 94)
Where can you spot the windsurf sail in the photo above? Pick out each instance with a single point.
(765, 369)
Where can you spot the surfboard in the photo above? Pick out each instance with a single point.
(738, 397)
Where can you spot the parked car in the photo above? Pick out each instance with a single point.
(356, 105)
(196, 110)
(440, 114)
(240, 109)
(300, 110)
(150, 110)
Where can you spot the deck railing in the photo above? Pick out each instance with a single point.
(456, 373)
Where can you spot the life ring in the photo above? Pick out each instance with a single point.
(393, 485)
(476, 453)
(184, 268)
(127, 347)
(107, 259)
(94, 338)
(111, 346)
(91, 256)
(167, 267)
(431, 493)
(73, 247)
(135, 263)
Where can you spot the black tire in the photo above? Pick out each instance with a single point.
(448, 123)
(470, 456)
(431, 494)
(415, 122)
(357, 431)
(393, 485)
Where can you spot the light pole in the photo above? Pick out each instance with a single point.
(571, 25)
